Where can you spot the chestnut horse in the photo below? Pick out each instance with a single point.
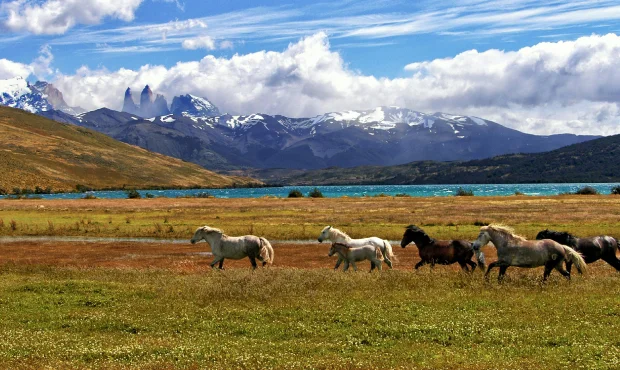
(443, 252)
(592, 249)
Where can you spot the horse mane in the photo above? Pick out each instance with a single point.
(506, 231)
(210, 229)
(561, 235)
(416, 230)
(339, 232)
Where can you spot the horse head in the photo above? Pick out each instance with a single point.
(416, 235)
(324, 234)
(561, 237)
(202, 233)
(336, 247)
(483, 238)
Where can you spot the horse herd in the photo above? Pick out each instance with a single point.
(551, 249)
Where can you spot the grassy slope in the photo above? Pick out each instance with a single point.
(591, 161)
(35, 151)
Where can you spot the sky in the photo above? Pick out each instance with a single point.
(542, 67)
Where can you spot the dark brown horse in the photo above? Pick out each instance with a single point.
(592, 249)
(443, 252)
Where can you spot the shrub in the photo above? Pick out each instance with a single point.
(204, 194)
(315, 193)
(587, 190)
(518, 193)
(133, 194)
(464, 193)
(13, 225)
(89, 196)
(149, 195)
(402, 195)
(3, 192)
(295, 193)
(615, 190)
(480, 223)
(82, 188)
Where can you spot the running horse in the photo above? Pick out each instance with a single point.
(515, 250)
(443, 252)
(592, 249)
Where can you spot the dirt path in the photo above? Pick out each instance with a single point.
(175, 256)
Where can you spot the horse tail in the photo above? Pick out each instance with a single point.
(575, 258)
(387, 251)
(379, 253)
(266, 250)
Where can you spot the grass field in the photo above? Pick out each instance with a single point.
(158, 305)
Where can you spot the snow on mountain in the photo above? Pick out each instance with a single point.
(192, 106)
(17, 93)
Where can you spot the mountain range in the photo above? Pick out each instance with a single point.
(193, 129)
(587, 162)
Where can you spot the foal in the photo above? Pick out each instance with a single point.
(351, 255)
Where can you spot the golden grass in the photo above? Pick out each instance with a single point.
(442, 217)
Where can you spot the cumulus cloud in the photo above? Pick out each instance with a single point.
(570, 86)
(57, 16)
(41, 67)
(201, 42)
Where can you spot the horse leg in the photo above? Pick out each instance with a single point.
(472, 264)
(569, 265)
(338, 263)
(613, 261)
(253, 262)
(419, 264)
(354, 266)
(372, 266)
(463, 266)
(346, 265)
(564, 273)
(491, 266)
(550, 266)
(221, 266)
(216, 260)
(502, 272)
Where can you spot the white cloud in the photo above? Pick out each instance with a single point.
(571, 86)
(57, 16)
(40, 66)
(201, 42)
(10, 69)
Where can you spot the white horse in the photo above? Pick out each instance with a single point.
(351, 255)
(338, 236)
(515, 250)
(234, 247)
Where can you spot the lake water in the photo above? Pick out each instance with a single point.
(359, 190)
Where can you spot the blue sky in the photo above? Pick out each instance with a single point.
(363, 45)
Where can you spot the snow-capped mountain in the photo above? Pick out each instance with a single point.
(35, 98)
(381, 136)
(18, 93)
(193, 107)
(194, 130)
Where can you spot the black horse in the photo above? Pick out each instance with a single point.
(443, 252)
(592, 249)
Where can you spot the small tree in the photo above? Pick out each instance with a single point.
(315, 193)
(133, 194)
(295, 193)
(615, 190)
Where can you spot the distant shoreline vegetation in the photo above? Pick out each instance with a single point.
(30, 193)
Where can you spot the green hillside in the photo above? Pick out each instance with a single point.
(36, 151)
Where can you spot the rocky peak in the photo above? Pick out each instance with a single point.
(193, 106)
(128, 104)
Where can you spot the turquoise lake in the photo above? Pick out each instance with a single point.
(360, 190)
